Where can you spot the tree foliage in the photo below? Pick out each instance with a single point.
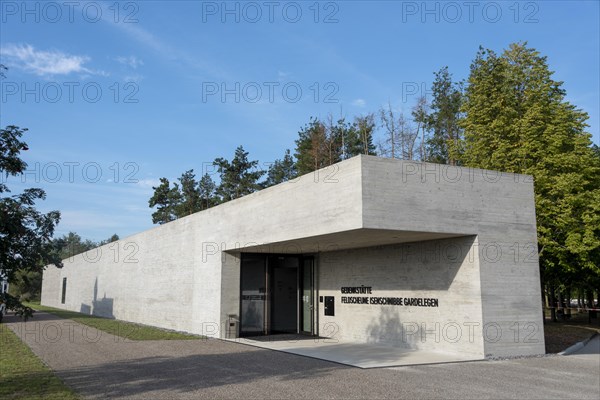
(420, 114)
(186, 197)
(281, 170)
(25, 233)
(207, 191)
(71, 244)
(166, 199)
(238, 177)
(189, 198)
(360, 136)
(321, 144)
(443, 119)
(312, 147)
(27, 285)
(517, 120)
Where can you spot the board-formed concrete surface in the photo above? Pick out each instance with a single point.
(463, 237)
(99, 366)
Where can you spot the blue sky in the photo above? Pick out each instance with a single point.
(117, 95)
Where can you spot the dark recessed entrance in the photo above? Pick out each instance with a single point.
(277, 294)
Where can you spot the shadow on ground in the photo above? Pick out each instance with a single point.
(137, 377)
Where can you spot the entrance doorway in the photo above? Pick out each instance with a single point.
(277, 294)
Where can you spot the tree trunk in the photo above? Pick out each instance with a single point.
(568, 302)
(552, 305)
(590, 298)
(544, 302)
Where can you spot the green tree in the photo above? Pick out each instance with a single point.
(310, 147)
(238, 177)
(207, 190)
(443, 119)
(339, 139)
(191, 201)
(71, 244)
(517, 120)
(166, 199)
(281, 170)
(320, 144)
(28, 284)
(26, 244)
(358, 136)
(420, 114)
(111, 239)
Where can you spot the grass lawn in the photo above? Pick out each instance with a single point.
(23, 375)
(115, 327)
(561, 335)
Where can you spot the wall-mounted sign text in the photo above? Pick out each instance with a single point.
(394, 301)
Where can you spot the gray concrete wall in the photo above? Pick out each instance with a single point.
(178, 275)
(145, 278)
(447, 270)
(497, 207)
(185, 275)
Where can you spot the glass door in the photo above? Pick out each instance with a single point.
(307, 292)
(253, 295)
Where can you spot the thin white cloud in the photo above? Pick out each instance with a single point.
(359, 103)
(131, 61)
(148, 183)
(170, 52)
(44, 63)
(281, 76)
(136, 78)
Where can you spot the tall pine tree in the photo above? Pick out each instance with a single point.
(443, 119)
(191, 201)
(281, 170)
(517, 120)
(311, 147)
(238, 177)
(167, 200)
(206, 189)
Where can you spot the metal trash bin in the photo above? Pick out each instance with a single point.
(231, 330)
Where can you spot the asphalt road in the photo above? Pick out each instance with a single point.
(99, 365)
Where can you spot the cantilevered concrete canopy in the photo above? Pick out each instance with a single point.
(353, 239)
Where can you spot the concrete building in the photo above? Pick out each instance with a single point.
(370, 250)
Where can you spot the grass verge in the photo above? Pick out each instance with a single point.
(23, 375)
(128, 330)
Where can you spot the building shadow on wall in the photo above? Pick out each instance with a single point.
(421, 270)
(426, 265)
(388, 329)
(100, 307)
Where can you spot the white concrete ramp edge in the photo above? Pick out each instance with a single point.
(361, 355)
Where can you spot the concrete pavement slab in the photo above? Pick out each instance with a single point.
(362, 355)
(99, 366)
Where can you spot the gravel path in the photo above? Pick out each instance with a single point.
(99, 365)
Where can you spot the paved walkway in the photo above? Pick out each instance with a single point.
(99, 365)
(591, 347)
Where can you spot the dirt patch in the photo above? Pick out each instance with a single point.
(561, 335)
